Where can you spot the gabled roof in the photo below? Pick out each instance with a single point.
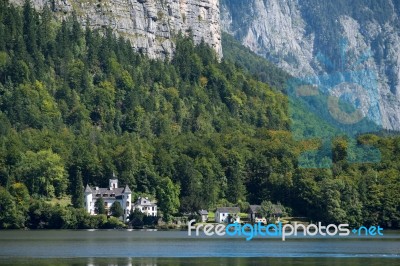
(203, 212)
(144, 202)
(228, 209)
(88, 189)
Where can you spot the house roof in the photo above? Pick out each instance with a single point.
(203, 212)
(254, 209)
(144, 202)
(228, 209)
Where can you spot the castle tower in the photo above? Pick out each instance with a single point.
(113, 183)
(127, 201)
(89, 200)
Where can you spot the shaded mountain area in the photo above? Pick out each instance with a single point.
(313, 39)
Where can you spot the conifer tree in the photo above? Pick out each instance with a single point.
(77, 191)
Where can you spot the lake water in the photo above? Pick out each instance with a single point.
(124, 247)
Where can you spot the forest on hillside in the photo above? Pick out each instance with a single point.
(77, 105)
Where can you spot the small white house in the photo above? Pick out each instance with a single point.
(146, 206)
(110, 195)
(227, 215)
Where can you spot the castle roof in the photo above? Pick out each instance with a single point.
(127, 190)
(110, 192)
(88, 189)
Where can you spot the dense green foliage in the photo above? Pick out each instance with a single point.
(77, 195)
(139, 219)
(195, 133)
(116, 209)
(247, 60)
(100, 207)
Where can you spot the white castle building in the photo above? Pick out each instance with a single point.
(110, 195)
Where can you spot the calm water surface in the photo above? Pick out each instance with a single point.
(124, 247)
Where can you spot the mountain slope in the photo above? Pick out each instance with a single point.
(256, 65)
(312, 38)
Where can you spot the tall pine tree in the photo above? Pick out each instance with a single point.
(77, 190)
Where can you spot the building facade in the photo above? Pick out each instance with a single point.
(146, 206)
(227, 215)
(110, 195)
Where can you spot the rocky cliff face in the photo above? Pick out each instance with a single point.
(306, 39)
(150, 25)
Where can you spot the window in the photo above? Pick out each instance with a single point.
(105, 195)
(127, 204)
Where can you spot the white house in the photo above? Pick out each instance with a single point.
(227, 215)
(110, 195)
(146, 206)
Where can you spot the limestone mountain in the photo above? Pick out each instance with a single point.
(150, 25)
(314, 38)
